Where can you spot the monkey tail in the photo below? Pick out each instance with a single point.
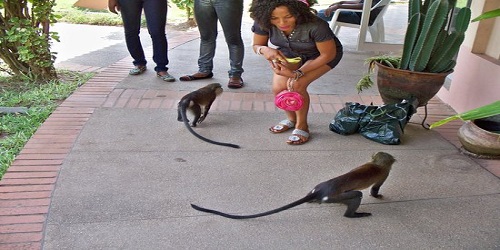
(307, 198)
(185, 120)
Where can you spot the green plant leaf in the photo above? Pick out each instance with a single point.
(435, 17)
(462, 20)
(364, 83)
(473, 114)
(486, 15)
(410, 39)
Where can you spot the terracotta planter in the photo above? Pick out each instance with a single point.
(394, 85)
(476, 137)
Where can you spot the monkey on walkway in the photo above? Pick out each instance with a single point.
(194, 101)
(342, 189)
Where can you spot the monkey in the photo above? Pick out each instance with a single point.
(342, 189)
(193, 101)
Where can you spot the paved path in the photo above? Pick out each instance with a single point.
(112, 169)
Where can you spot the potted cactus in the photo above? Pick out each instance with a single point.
(428, 56)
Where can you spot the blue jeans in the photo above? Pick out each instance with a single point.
(229, 13)
(344, 16)
(156, 19)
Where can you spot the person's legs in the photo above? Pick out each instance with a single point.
(299, 117)
(156, 16)
(349, 17)
(230, 16)
(301, 87)
(204, 10)
(131, 15)
(280, 84)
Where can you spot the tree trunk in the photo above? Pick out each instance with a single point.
(25, 38)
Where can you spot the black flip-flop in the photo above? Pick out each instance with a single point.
(192, 77)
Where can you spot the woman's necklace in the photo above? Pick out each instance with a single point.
(289, 36)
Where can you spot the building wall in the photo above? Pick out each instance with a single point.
(475, 82)
(92, 4)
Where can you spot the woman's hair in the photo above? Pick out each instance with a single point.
(261, 11)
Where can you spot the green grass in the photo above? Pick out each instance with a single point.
(40, 99)
(69, 14)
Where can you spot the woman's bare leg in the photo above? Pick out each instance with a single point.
(299, 117)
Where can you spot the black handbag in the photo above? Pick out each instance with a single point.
(384, 124)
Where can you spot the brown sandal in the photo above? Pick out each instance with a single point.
(192, 77)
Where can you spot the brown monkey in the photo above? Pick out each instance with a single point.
(341, 189)
(193, 101)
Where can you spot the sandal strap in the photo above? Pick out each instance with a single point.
(300, 132)
(294, 139)
(287, 123)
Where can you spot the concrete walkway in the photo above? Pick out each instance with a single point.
(112, 168)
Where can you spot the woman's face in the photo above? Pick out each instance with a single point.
(283, 19)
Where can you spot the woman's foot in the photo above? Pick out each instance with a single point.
(196, 76)
(137, 70)
(298, 137)
(282, 126)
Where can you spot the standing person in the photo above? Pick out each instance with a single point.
(295, 32)
(349, 16)
(229, 13)
(156, 18)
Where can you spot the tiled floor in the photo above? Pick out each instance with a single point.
(26, 188)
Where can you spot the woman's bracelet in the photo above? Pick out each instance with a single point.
(298, 74)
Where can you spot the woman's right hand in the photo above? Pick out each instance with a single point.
(272, 54)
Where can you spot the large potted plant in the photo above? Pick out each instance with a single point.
(429, 52)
